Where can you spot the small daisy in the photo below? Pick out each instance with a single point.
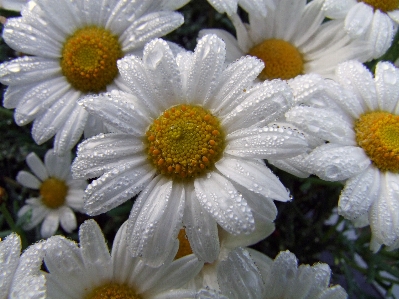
(59, 194)
(73, 47)
(20, 276)
(190, 141)
(361, 124)
(90, 271)
(375, 20)
(12, 4)
(291, 40)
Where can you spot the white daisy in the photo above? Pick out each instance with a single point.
(190, 142)
(292, 40)
(73, 47)
(374, 20)
(59, 193)
(361, 124)
(89, 270)
(12, 4)
(20, 276)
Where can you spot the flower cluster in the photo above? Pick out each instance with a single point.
(191, 140)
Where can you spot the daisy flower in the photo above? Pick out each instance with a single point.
(192, 133)
(291, 40)
(90, 271)
(73, 47)
(20, 276)
(374, 20)
(59, 193)
(361, 124)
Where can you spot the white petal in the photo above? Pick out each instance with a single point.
(239, 277)
(332, 162)
(208, 61)
(155, 221)
(25, 38)
(177, 274)
(102, 153)
(29, 280)
(359, 194)
(386, 82)
(262, 230)
(95, 252)
(233, 82)
(47, 125)
(50, 224)
(381, 34)
(200, 227)
(133, 71)
(325, 124)
(219, 198)
(10, 249)
(67, 219)
(358, 19)
(283, 271)
(37, 166)
(116, 186)
(148, 27)
(164, 74)
(263, 209)
(122, 110)
(287, 10)
(394, 14)
(356, 77)
(26, 70)
(384, 219)
(224, 6)
(38, 212)
(259, 106)
(274, 142)
(337, 9)
(27, 179)
(233, 51)
(58, 166)
(65, 263)
(254, 176)
(72, 130)
(34, 99)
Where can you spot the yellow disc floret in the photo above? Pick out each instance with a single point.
(378, 134)
(185, 141)
(89, 59)
(53, 192)
(184, 245)
(112, 290)
(383, 5)
(282, 60)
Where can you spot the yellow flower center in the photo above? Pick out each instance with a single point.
(378, 134)
(184, 245)
(185, 141)
(89, 59)
(53, 192)
(383, 5)
(112, 291)
(282, 60)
